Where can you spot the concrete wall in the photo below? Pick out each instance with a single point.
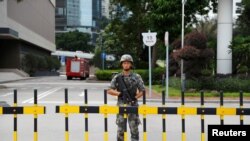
(34, 20)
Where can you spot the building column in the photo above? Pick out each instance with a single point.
(3, 13)
(224, 36)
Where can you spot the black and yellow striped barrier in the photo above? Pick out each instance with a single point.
(31, 110)
(147, 110)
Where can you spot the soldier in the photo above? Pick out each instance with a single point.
(128, 86)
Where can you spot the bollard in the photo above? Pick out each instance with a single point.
(66, 116)
(202, 118)
(221, 106)
(144, 119)
(86, 134)
(164, 134)
(105, 118)
(15, 117)
(183, 135)
(241, 106)
(35, 116)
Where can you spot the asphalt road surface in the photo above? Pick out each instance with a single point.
(51, 125)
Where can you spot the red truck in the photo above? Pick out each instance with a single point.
(77, 68)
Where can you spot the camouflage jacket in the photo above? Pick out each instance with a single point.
(133, 83)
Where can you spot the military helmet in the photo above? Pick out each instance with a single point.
(126, 57)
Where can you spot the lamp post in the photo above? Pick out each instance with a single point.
(182, 45)
(102, 50)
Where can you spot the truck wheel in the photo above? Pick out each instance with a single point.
(82, 78)
(69, 78)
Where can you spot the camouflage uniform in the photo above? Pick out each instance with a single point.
(133, 82)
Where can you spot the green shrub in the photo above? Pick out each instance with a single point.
(156, 75)
(229, 84)
(105, 74)
(32, 63)
(243, 69)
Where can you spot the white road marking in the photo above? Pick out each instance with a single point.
(82, 94)
(42, 95)
(7, 94)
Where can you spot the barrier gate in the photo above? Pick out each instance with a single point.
(30, 110)
(143, 110)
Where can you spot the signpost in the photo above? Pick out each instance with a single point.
(103, 59)
(149, 39)
(167, 61)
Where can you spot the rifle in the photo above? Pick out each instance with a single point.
(125, 93)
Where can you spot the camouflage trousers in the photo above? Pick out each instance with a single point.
(133, 122)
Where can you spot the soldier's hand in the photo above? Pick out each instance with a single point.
(138, 94)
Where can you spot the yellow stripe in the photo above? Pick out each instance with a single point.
(125, 136)
(183, 116)
(187, 110)
(106, 136)
(14, 136)
(86, 115)
(1, 110)
(163, 116)
(147, 110)
(202, 136)
(15, 115)
(66, 136)
(183, 136)
(202, 117)
(164, 136)
(144, 136)
(225, 111)
(108, 109)
(86, 136)
(69, 109)
(35, 136)
(105, 115)
(33, 110)
(241, 117)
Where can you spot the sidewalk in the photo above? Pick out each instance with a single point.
(6, 77)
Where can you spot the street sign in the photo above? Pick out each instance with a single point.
(149, 38)
(103, 55)
(166, 39)
(110, 57)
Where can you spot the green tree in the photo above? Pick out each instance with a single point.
(73, 41)
(243, 21)
(241, 41)
(134, 17)
(208, 27)
(195, 53)
(241, 53)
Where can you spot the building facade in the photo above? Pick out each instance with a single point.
(26, 26)
(68, 15)
(106, 8)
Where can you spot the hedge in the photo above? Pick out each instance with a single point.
(156, 75)
(228, 84)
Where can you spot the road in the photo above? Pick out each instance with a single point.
(51, 125)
